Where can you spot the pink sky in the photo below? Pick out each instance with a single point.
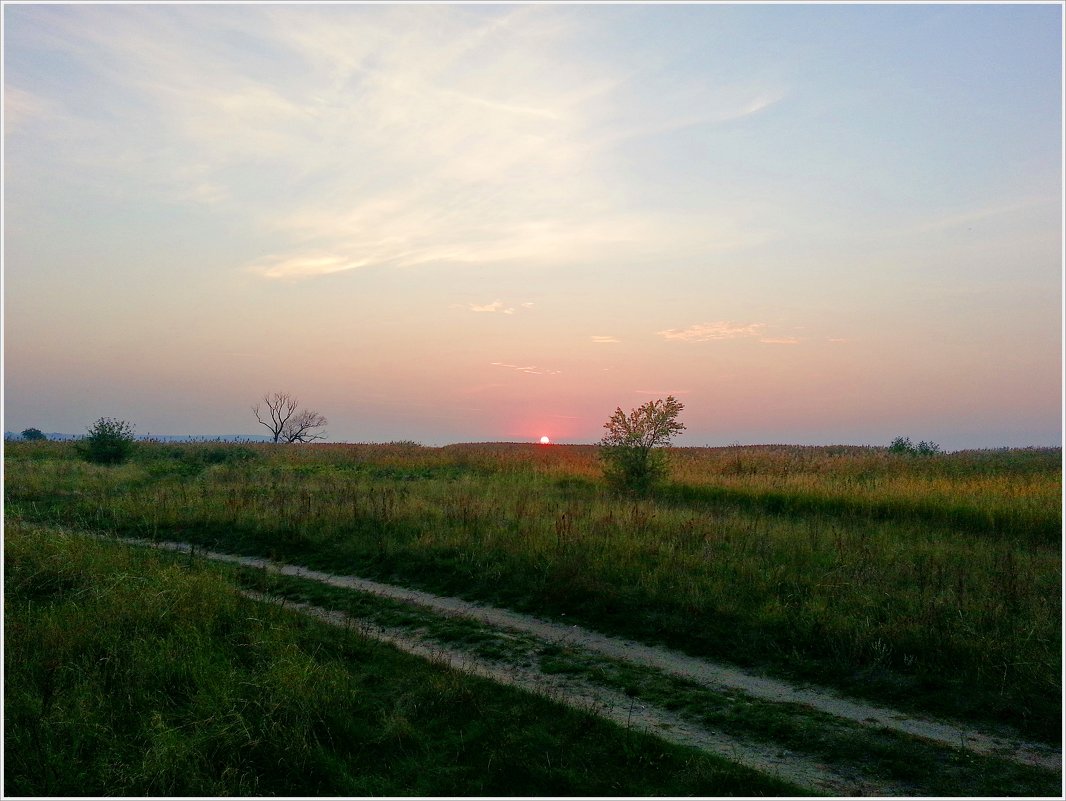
(812, 224)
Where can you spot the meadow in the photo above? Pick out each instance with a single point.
(931, 583)
(127, 674)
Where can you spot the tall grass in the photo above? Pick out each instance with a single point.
(126, 675)
(931, 581)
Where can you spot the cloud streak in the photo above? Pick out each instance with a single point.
(359, 136)
(707, 332)
(529, 369)
(295, 267)
(723, 111)
(495, 306)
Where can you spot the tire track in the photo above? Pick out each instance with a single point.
(783, 764)
(709, 674)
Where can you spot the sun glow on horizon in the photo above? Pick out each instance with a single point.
(505, 257)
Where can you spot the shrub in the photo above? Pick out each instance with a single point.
(109, 442)
(904, 445)
(33, 435)
(901, 445)
(631, 462)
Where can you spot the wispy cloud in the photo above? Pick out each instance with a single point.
(759, 102)
(605, 339)
(530, 369)
(779, 341)
(363, 136)
(22, 108)
(722, 110)
(705, 332)
(294, 267)
(495, 306)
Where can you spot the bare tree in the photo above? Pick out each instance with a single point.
(301, 428)
(286, 421)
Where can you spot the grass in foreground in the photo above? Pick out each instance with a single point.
(930, 584)
(129, 675)
(931, 769)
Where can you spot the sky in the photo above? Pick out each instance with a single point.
(812, 224)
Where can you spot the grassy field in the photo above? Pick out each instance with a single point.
(923, 768)
(129, 675)
(932, 583)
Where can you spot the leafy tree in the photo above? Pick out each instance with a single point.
(286, 422)
(628, 449)
(33, 435)
(109, 442)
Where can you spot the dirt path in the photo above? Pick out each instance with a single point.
(705, 672)
(588, 697)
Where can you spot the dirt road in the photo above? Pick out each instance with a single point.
(798, 768)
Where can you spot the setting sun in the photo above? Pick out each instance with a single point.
(537, 310)
(786, 278)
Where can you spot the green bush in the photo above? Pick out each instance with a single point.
(109, 442)
(633, 470)
(631, 462)
(905, 446)
(33, 435)
(901, 445)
